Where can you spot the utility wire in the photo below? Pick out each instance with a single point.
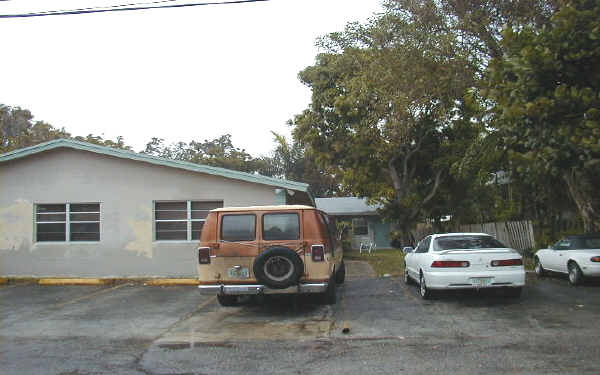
(103, 7)
(119, 8)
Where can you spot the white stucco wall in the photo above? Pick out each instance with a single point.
(126, 191)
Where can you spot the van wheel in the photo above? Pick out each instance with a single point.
(278, 267)
(227, 301)
(329, 297)
(340, 275)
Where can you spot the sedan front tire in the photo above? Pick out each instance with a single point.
(575, 274)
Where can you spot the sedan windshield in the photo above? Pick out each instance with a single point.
(466, 243)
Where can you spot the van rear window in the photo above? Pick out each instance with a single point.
(238, 228)
(281, 227)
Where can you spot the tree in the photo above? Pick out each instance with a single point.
(293, 162)
(219, 152)
(18, 130)
(547, 93)
(387, 104)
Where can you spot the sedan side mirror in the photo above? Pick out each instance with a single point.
(407, 250)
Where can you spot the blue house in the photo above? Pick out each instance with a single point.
(367, 225)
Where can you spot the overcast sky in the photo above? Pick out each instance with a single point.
(179, 74)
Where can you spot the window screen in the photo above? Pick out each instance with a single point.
(238, 228)
(66, 222)
(84, 221)
(281, 227)
(181, 220)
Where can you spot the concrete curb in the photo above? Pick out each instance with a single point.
(72, 281)
(99, 281)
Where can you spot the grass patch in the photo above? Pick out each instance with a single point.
(386, 261)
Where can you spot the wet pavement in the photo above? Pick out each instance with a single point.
(137, 329)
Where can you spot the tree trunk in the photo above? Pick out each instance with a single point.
(583, 194)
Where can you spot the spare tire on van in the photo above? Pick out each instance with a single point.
(278, 267)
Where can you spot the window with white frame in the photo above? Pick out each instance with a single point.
(181, 220)
(67, 222)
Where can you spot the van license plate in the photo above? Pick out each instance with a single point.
(481, 281)
(239, 273)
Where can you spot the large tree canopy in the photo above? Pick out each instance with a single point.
(547, 94)
(388, 110)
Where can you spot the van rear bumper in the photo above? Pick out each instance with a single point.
(236, 290)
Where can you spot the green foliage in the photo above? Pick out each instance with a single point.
(293, 162)
(18, 130)
(547, 94)
(389, 113)
(219, 152)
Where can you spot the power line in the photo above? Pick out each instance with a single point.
(120, 8)
(103, 7)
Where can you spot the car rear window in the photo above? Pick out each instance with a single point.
(283, 226)
(466, 243)
(238, 227)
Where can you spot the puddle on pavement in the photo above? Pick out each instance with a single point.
(263, 322)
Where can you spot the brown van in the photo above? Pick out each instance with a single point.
(269, 250)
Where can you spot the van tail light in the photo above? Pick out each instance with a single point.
(507, 262)
(318, 253)
(595, 259)
(449, 263)
(204, 255)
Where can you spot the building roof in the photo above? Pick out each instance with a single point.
(346, 206)
(215, 171)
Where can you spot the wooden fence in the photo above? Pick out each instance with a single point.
(516, 234)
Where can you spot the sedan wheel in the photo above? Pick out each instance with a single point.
(423, 290)
(575, 275)
(539, 270)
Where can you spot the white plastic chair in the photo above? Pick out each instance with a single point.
(367, 247)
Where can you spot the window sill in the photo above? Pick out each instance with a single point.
(67, 243)
(175, 241)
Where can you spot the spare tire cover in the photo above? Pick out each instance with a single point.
(278, 267)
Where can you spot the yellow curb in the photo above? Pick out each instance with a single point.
(73, 281)
(3, 280)
(158, 282)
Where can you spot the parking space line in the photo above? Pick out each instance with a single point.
(14, 285)
(91, 295)
(206, 303)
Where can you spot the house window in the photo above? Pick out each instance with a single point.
(360, 227)
(181, 220)
(67, 222)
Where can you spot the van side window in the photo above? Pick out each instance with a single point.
(238, 227)
(281, 227)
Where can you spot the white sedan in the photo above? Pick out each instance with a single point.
(577, 256)
(464, 261)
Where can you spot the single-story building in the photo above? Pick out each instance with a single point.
(367, 225)
(75, 209)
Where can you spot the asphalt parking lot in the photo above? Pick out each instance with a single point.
(136, 329)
